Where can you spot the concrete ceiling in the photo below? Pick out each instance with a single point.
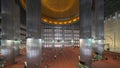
(111, 6)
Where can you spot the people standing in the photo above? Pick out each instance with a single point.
(25, 64)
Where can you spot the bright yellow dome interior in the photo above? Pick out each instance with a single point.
(58, 12)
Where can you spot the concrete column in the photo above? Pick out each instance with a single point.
(99, 24)
(8, 8)
(17, 40)
(34, 41)
(85, 32)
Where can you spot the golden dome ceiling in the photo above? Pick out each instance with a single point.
(58, 11)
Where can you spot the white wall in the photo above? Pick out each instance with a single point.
(112, 32)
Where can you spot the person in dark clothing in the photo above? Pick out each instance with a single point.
(82, 65)
(55, 57)
(97, 57)
(47, 66)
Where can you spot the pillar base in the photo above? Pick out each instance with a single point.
(34, 48)
(8, 51)
(86, 52)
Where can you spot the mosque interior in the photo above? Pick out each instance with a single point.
(59, 34)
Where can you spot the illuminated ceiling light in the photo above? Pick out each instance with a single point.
(69, 21)
(60, 23)
(50, 21)
(45, 20)
(55, 22)
(78, 17)
(65, 22)
(74, 20)
(54, 10)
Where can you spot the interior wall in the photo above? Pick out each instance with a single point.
(112, 32)
(58, 35)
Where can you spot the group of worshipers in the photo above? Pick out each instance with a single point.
(55, 56)
(47, 66)
(58, 53)
(1, 63)
(81, 64)
(96, 57)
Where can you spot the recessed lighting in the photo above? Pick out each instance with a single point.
(74, 20)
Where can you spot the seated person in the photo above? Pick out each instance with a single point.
(47, 66)
(25, 64)
(55, 57)
(79, 57)
(97, 57)
(108, 49)
(2, 62)
(82, 65)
